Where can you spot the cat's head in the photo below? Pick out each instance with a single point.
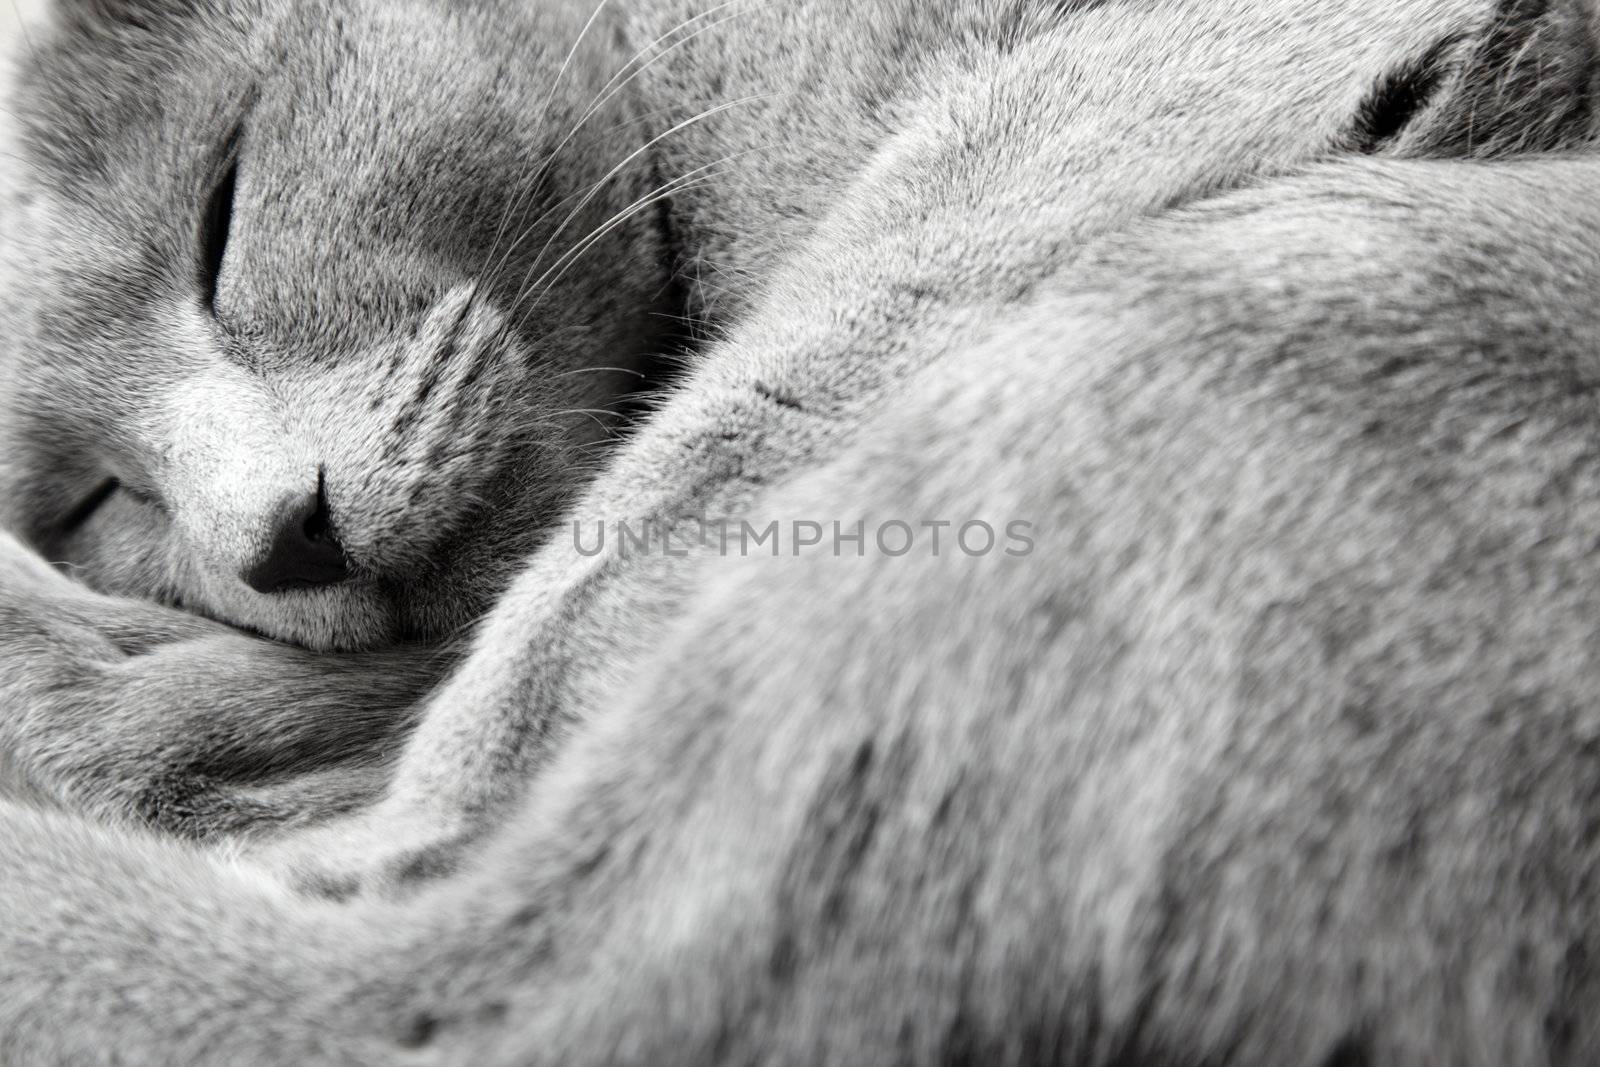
(317, 312)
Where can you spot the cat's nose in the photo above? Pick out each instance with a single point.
(302, 552)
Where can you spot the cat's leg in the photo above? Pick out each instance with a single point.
(131, 710)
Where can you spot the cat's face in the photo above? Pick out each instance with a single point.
(299, 334)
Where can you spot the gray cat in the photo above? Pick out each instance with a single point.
(1274, 749)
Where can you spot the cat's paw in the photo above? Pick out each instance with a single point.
(48, 640)
(38, 601)
(127, 709)
(58, 637)
(106, 702)
(51, 662)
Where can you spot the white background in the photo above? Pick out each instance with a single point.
(11, 11)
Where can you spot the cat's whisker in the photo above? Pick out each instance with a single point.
(684, 24)
(595, 109)
(649, 199)
(663, 192)
(600, 370)
(642, 150)
(593, 413)
(525, 186)
(594, 190)
(609, 92)
(603, 96)
(559, 269)
(519, 320)
(555, 84)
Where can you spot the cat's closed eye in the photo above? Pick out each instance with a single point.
(215, 224)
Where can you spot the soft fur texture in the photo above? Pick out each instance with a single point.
(1276, 320)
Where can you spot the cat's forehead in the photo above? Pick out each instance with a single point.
(375, 147)
(161, 79)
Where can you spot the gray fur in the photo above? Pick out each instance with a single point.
(1278, 748)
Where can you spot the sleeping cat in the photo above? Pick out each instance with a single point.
(1279, 750)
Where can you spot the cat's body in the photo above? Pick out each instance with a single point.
(1277, 748)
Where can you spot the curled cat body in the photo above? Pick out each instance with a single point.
(1274, 320)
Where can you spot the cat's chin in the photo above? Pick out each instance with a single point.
(354, 617)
